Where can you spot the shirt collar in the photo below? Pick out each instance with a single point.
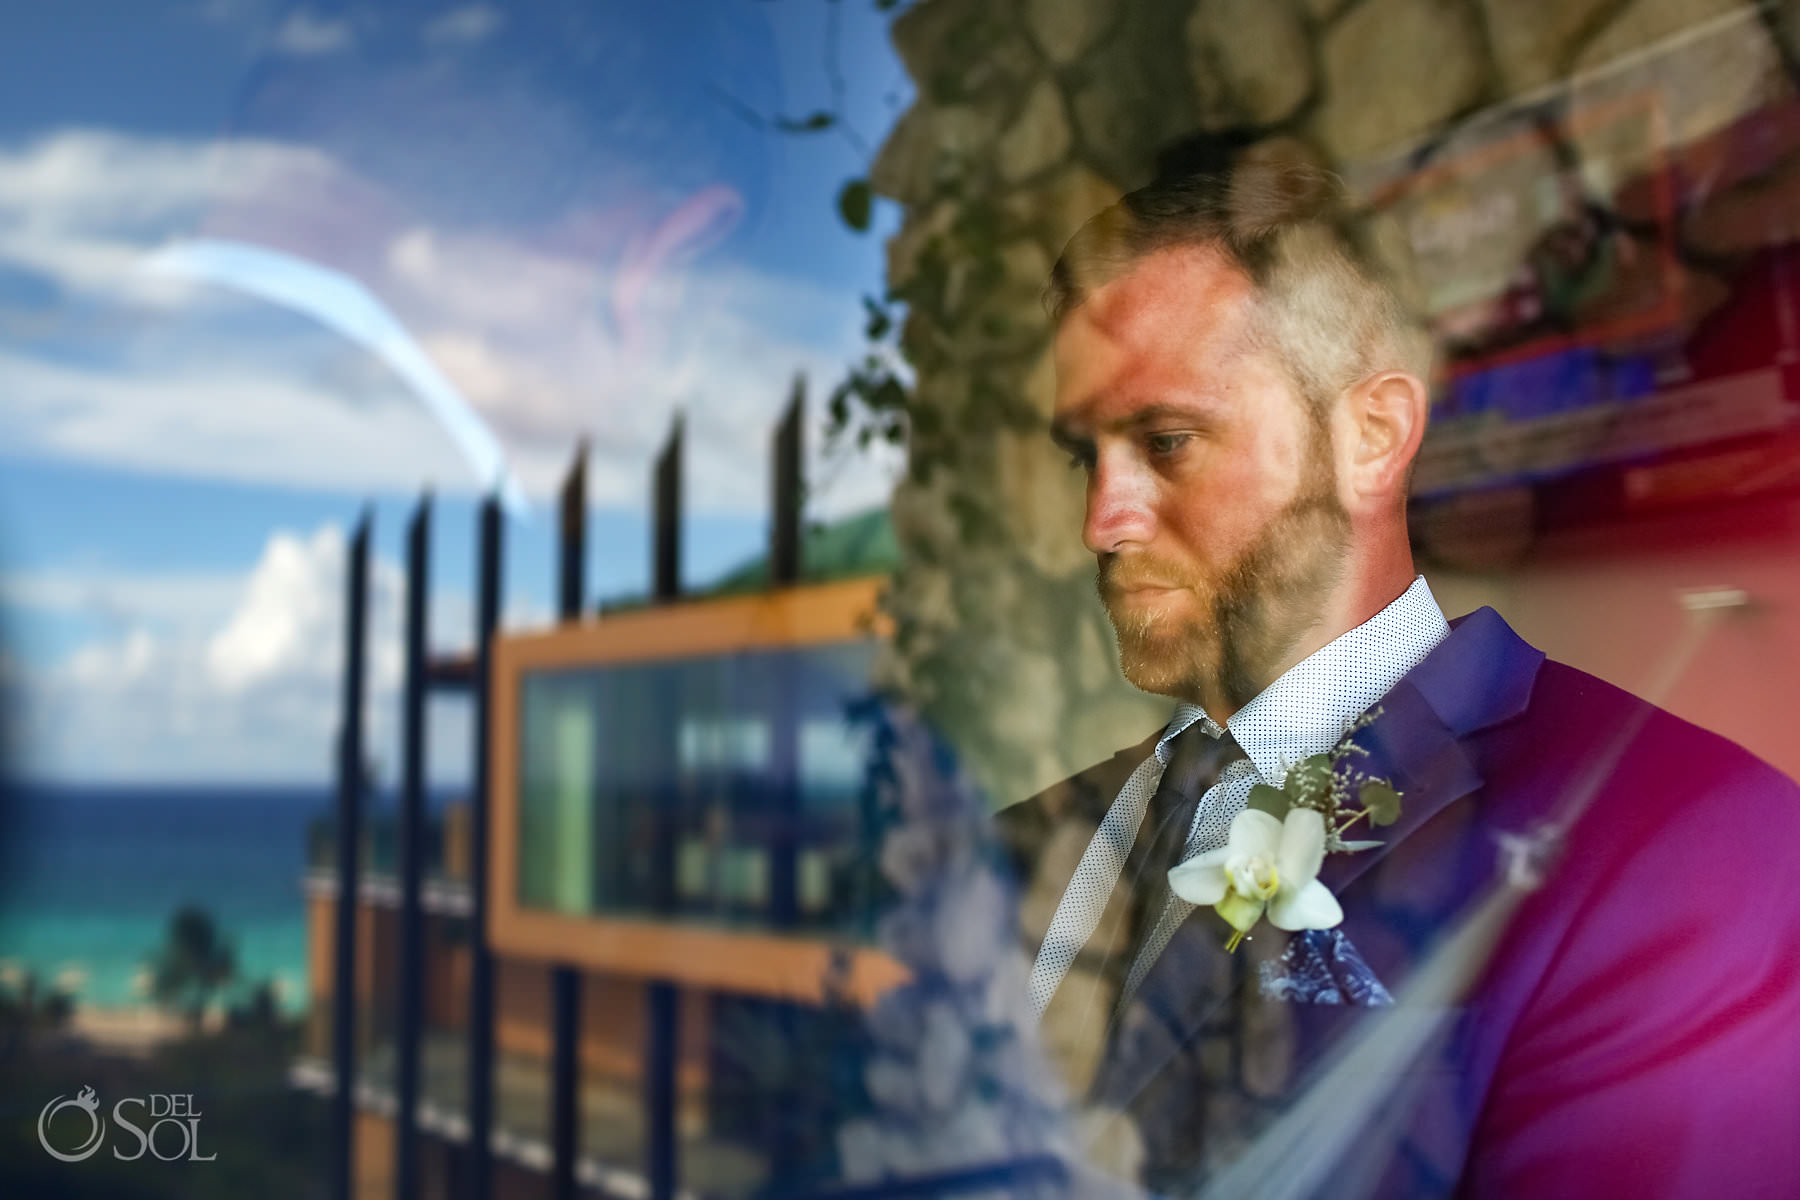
(1306, 710)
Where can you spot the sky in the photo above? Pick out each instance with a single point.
(575, 216)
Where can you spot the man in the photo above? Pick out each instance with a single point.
(1246, 397)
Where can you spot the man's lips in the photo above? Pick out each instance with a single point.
(1143, 589)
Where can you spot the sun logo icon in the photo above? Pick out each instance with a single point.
(88, 1102)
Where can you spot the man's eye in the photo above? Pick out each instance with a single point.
(1167, 443)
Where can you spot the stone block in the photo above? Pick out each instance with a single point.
(1053, 210)
(1096, 658)
(925, 35)
(1256, 52)
(1646, 22)
(956, 50)
(1042, 502)
(1006, 317)
(933, 147)
(1067, 29)
(1029, 718)
(1038, 138)
(902, 169)
(923, 225)
(1136, 100)
(1535, 40)
(1395, 69)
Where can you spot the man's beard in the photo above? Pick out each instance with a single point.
(1248, 618)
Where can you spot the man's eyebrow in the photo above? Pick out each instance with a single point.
(1075, 435)
(1197, 412)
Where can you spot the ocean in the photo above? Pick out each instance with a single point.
(92, 875)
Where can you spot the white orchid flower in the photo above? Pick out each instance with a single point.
(1265, 863)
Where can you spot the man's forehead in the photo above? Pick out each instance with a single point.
(1164, 283)
(1171, 311)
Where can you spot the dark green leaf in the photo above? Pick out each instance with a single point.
(878, 324)
(855, 203)
(1271, 800)
(889, 397)
(1382, 801)
(812, 124)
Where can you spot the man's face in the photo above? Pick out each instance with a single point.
(1212, 504)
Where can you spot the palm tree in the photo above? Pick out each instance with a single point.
(194, 964)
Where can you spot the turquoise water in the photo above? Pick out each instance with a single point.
(91, 875)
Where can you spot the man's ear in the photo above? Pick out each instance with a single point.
(1386, 414)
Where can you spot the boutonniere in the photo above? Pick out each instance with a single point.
(1270, 861)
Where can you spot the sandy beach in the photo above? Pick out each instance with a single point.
(136, 1029)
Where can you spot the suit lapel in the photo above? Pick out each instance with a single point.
(1478, 676)
(1046, 836)
(1411, 747)
(1070, 810)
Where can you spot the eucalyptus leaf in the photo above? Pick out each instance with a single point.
(1271, 800)
(855, 202)
(1382, 801)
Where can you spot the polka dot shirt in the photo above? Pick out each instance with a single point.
(1304, 712)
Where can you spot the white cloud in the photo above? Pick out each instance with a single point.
(291, 613)
(250, 692)
(82, 207)
(305, 34)
(224, 420)
(212, 386)
(123, 664)
(160, 600)
(470, 23)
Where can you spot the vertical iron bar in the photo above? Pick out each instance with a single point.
(410, 1018)
(786, 502)
(349, 837)
(565, 1079)
(571, 565)
(784, 571)
(659, 1078)
(481, 966)
(663, 999)
(788, 493)
(665, 502)
(565, 981)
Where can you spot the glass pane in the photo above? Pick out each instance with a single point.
(725, 789)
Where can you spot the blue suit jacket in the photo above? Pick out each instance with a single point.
(1636, 1026)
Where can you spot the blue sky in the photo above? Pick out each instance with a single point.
(179, 462)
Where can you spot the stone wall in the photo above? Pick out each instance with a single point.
(1031, 116)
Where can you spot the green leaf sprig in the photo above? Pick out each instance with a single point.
(1344, 794)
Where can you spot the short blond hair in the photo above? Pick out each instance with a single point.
(1330, 314)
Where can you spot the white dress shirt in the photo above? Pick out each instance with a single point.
(1302, 713)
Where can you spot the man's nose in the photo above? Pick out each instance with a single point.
(1119, 508)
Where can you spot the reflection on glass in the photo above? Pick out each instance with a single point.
(725, 789)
